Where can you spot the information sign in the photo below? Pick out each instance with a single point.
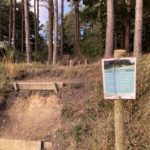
(119, 78)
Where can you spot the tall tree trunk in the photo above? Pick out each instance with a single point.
(10, 24)
(35, 26)
(50, 31)
(77, 28)
(14, 25)
(38, 7)
(55, 32)
(127, 26)
(122, 39)
(22, 27)
(62, 29)
(115, 40)
(100, 27)
(27, 31)
(138, 28)
(110, 29)
(0, 21)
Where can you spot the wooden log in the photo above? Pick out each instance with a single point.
(47, 146)
(51, 86)
(19, 145)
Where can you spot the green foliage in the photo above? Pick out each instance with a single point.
(90, 47)
(80, 131)
(20, 56)
(67, 112)
(93, 20)
(76, 85)
(5, 87)
(8, 54)
(69, 33)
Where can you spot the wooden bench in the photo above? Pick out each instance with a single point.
(9, 144)
(42, 86)
(50, 86)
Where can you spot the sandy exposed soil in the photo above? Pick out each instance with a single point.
(31, 117)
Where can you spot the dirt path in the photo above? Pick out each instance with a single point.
(31, 118)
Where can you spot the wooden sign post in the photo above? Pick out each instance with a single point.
(119, 113)
(119, 82)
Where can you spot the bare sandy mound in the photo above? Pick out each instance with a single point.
(32, 118)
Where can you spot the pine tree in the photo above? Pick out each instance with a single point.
(110, 29)
(27, 31)
(50, 31)
(14, 25)
(55, 51)
(127, 26)
(138, 27)
(77, 27)
(62, 29)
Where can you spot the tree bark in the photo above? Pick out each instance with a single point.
(100, 27)
(27, 31)
(35, 26)
(62, 29)
(14, 25)
(77, 28)
(55, 32)
(38, 7)
(22, 27)
(110, 29)
(127, 26)
(10, 24)
(122, 38)
(115, 40)
(50, 31)
(0, 22)
(138, 28)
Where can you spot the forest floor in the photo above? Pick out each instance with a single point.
(77, 117)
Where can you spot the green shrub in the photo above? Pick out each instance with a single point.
(80, 131)
(67, 112)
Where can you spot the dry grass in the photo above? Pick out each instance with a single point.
(87, 119)
(92, 126)
(13, 70)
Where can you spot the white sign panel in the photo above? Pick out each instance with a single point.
(119, 78)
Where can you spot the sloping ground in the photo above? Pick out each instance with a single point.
(78, 118)
(36, 115)
(30, 117)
